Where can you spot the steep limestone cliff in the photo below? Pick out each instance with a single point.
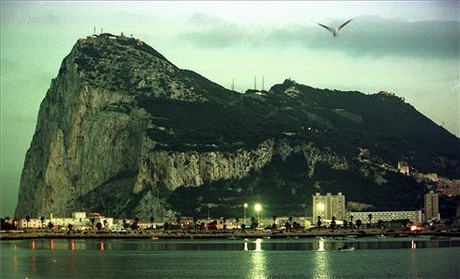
(123, 131)
(91, 144)
(79, 144)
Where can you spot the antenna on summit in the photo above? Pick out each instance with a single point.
(255, 83)
(263, 83)
(233, 84)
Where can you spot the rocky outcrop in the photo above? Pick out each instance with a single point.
(79, 144)
(174, 169)
(121, 128)
(91, 152)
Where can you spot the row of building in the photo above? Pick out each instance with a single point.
(79, 220)
(326, 207)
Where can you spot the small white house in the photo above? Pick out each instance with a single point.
(79, 220)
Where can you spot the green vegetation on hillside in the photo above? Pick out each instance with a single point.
(284, 189)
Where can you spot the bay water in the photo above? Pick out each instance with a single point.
(240, 258)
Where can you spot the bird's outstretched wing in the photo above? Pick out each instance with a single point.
(327, 27)
(343, 24)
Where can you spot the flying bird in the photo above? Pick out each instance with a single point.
(335, 31)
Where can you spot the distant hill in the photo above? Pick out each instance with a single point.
(124, 132)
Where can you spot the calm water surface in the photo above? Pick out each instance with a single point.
(252, 258)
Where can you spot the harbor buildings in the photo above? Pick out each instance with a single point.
(414, 216)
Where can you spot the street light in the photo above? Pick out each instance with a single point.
(245, 208)
(258, 208)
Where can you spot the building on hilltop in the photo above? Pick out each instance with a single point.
(328, 206)
(431, 206)
(403, 167)
(448, 187)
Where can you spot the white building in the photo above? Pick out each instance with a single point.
(328, 206)
(79, 220)
(413, 216)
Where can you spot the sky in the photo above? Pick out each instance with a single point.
(408, 48)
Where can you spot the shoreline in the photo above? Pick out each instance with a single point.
(230, 234)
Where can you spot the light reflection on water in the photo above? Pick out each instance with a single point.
(321, 265)
(412, 265)
(320, 244)
(252, 258)
(321, 261)
(258, 262)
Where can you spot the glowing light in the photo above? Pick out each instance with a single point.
(258, 244)
(258, 262)
(321, 245)
(258, 208)
(320, 206)
(321, 264)
(245, 205)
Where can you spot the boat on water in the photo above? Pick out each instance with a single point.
(346, 249)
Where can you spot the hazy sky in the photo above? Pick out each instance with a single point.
(410, 48)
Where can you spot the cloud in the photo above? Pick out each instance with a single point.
(212, 32)
(381, 37)
(364, 36)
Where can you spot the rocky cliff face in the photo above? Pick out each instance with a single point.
(80, 142)
(91, 139)
(122, 129)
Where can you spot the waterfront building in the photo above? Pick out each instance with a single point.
(79, 220)
(31, 223)
(281, 221)
(431, 206)
(328, 206)
(386, 216)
